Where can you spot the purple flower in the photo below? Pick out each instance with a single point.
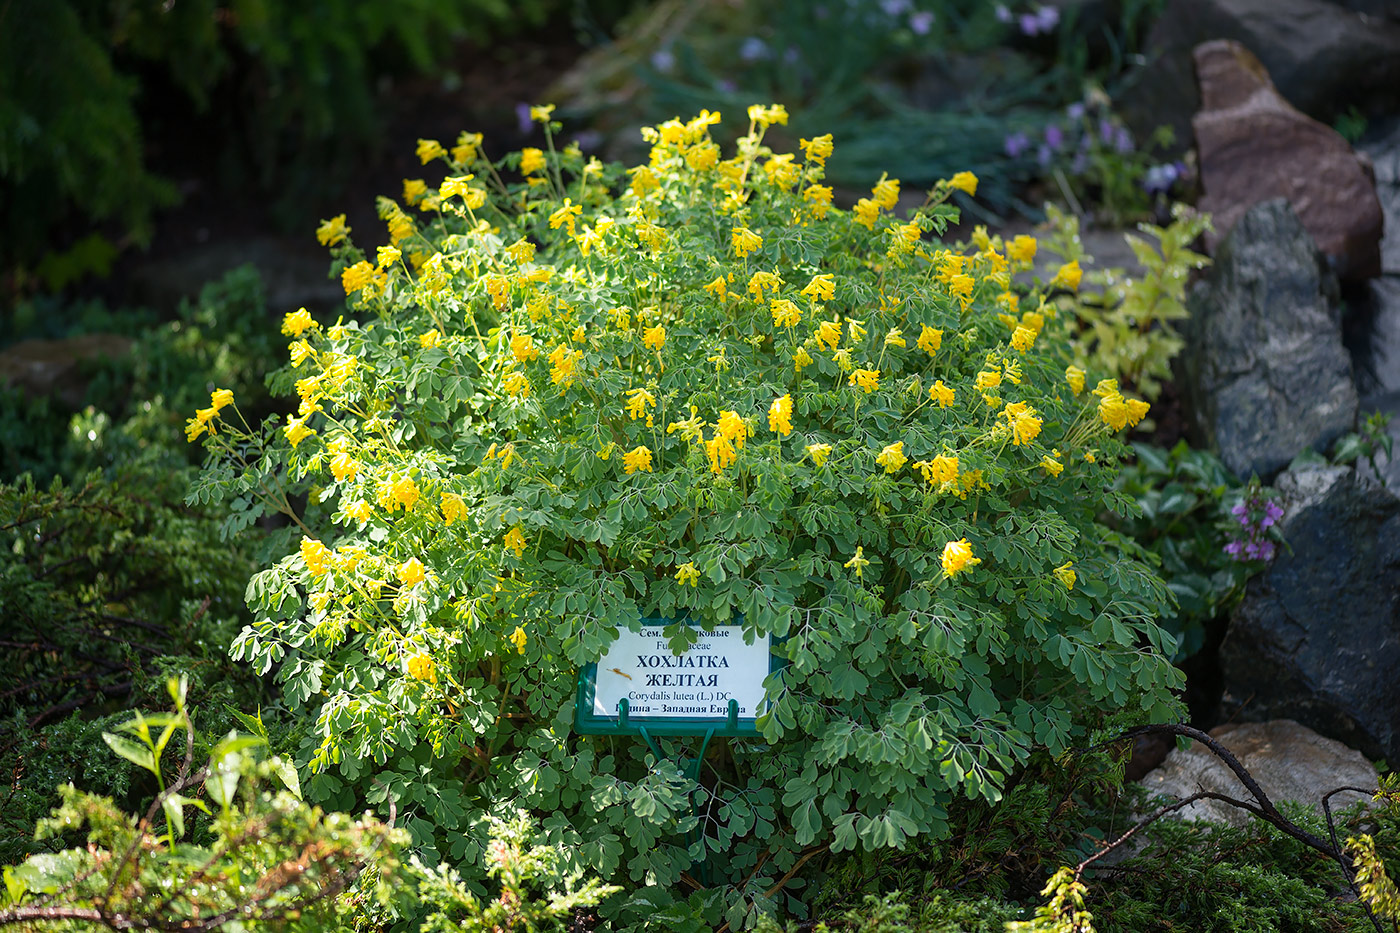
(1003, 14)
(1240, 511)
(921, 23)
(1054, 136)
(663, 60)
(1048, 17)
(893, 8)
(1106, 130)
(1123, 140)
(753, 49)
(522, 119)
(1029, 24)
(1266, 550)
(1080, 164)
(1015, 144)
(1234, 549)
(1043, 156)
(1272, 513)
(1075, 111)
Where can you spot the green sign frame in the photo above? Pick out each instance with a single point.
(731, 723)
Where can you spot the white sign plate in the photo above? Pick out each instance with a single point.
(640, 668)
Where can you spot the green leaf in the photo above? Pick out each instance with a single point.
(134, 752)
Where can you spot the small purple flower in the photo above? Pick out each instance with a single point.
(1123, 140)
(753, 49)
(1043, 156)
(1266, 550)
(663, 60)
(1234, 549)
(1272, 513)
(1054, 136)
(921, 23)
(1048, 18)
(1106, 130)
(522, 119)
(1003, 14)
(726, 86)
(1029, 24)
(894, 8)
(1080, 164)
(1241, 512)
(1075, 111)
(1015, 144)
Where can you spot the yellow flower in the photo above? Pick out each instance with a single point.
(298, 351)
(780, 415)
(1023, 338)
(720, 452)
(637, 402)
(413, 190)
(429, 339)
(516, 384)
(1065, 574)
(565, 216)
(1068, 276)
(453, 508)
(410, 572)
(387, 255)
(692, 428)
(1113, 411)
(801, 358)
(817, 150)
(638, 458)
(358, 276)
(221, 399)
(745, 241)
(297, 431)
(892, 457)
(429, 149)
(1075, 377)
(531, 161)
(1022, 248)
(957, 557)
(1051, 465)
(843, 359)
(930, 339)
(1011, 371)
(1106, 388)
(717, 287)
(643, 181)
(858, 563)
(332, 232)
(988, 379)
(298, 322)
(686, 573)
(465, 150)
(421, 667)
(522, 347)
(1137, 410)
(886, 192)
(785, 313)
(540, 113)
(654, 338)
(820, 198)
(515, 540)
(733, 428)
(829, 333)
(344, 467)
(518, 638)
(895, 338)
(1025, 426)
(767, 116)
(316, 556)
(866, 212)
(941, 469)
(564, 365)
(941, 394)
(961, 287)
(359, 510)
(818, 453)
(964, 181)
(821, 288)
(867, 379)
(854, 330)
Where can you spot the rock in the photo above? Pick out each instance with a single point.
(1265, 374)
(58, 368)
(1253, 147)
(1317, 635)
(1290, 762)
(1323, 58)
(1384, 154)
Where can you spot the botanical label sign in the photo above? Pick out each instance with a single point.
(716, 684)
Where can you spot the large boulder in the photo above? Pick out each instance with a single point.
(1290, 762)
(1323, 57)
(1317, 636)
(1254, 146)
(1264, 373)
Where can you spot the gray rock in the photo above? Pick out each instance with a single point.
(1265, 374)
(1317, 636)
(1384, 154)
(1323, 58)
(1290, 762)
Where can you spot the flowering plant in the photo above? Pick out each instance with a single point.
(691, 388)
